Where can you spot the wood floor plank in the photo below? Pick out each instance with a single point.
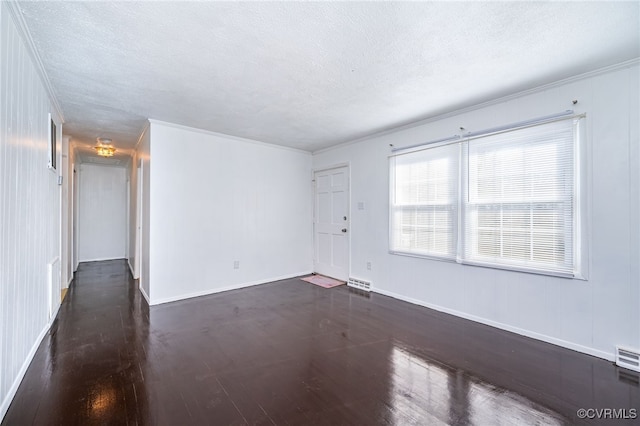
(290, 353)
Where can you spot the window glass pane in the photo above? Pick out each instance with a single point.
(519, 204)
(425, 201)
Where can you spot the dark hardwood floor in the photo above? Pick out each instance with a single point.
(291, 353)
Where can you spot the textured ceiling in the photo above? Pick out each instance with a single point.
(309, 75)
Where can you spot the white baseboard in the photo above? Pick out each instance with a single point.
(144, 294)
(528, 333)
(228, 288)
(70, 280)
(130, 267)
(55, 313)
(101, 259)
(23, 370)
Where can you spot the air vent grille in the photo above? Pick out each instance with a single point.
(627, 358)
(359, 284)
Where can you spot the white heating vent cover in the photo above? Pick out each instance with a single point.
(628, 358)
(360, 284)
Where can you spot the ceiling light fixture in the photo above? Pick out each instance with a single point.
(104, 148)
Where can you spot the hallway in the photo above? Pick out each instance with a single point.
(289, 352)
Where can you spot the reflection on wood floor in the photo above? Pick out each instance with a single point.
(291, 353)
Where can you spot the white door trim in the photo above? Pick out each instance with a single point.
(74, 216)
(138, 221)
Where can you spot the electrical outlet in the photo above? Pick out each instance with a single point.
(369, 266)
(236, 264)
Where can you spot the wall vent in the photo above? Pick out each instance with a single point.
(359, 284)
(627, 358)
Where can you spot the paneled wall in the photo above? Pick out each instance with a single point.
(102, 225)
(590, 316)
(225, 212)
(29, 206)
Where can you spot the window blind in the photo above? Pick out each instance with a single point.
(518, 202)
(424, 201)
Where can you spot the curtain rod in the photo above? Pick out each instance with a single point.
(418, 145)
(539, 120)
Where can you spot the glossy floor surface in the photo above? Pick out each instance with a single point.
(292, 353)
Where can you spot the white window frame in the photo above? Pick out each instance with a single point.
(579, 208)
(452, 206)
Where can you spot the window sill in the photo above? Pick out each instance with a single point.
(577, 276)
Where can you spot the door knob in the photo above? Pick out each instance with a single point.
(344, 229)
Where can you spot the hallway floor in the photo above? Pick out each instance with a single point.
(292, 353)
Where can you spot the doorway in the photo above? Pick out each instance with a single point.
(103, 217)
(331, 222)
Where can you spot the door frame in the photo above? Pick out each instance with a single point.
(76, 215)
(127, 240)
(72, 218)
(137, 268)
(314, 210)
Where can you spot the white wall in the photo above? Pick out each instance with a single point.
(590, 316)
(217, 199)
(29, 206)
(102, 226)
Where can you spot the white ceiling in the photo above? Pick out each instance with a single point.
(309, 75)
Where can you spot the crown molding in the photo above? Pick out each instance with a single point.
(537, 89)
(18, 19)
(226, 136)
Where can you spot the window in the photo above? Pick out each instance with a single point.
(513, 194)
(425, 202)
(519, 205)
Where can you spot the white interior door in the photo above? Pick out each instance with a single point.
(331, 223)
